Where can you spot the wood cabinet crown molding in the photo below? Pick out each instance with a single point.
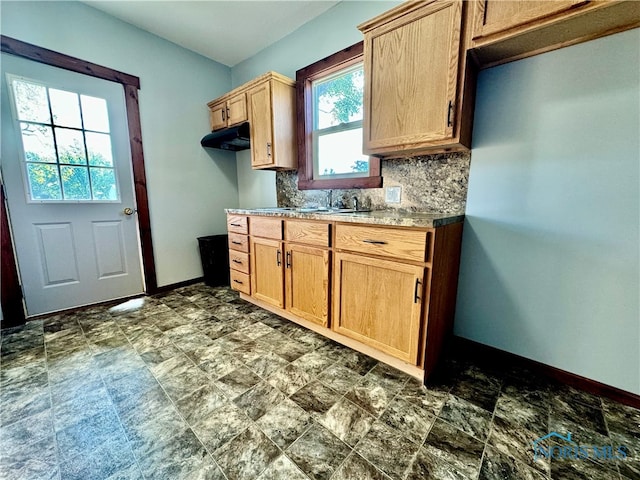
(265, 77)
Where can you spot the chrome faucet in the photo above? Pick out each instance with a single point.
(330, 199)
(354, 199)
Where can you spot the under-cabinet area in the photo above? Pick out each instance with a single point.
(384, 289)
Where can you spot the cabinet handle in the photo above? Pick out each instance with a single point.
(235, 260)
(268, 149)
(288, 260)
(237, 281)
(279, 258)
(235, 224)
(416, 298)
(223, 117)
(449, 112)
(375, 242)
(228, 113)
(236, 243)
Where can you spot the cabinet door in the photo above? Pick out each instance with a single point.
(493, 16)
(378, 302)
(218, 116)
(259, 99)
(237, 109)
(267, 271)
(307, 283)
(411, 72)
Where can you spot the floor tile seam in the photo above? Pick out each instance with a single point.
(486, 441)
(120, 421)
(353, 452)
(56, 445)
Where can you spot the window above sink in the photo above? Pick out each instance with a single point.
(330, 104)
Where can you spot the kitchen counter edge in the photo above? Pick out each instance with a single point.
(376, 217)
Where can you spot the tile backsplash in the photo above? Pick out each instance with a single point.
(431, 183)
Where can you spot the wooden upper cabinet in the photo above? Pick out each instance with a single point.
(415, 80)
(237, 109)
(272, 122)
(507, 30)
(268, 104)
(229, 111)
(493, 16)
(261, 134)
(218, 116)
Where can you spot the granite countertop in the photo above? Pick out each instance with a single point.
(376, 217)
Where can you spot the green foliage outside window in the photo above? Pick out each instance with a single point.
(63, 163)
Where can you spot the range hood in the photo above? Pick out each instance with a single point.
(234, 138)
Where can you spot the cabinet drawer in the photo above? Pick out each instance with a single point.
(241, 282)
(237, 224)
(389, 242)
(239, 261)
(266, 227)
(239, 242)
(309, 233)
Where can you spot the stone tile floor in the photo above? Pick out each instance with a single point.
(198, 384)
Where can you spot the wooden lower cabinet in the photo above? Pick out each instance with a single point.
(379, 303)
(267, 271)
(307, 283)
(360, 285)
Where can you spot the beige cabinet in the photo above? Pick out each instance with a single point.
(307, 282)
(228, 112)
(503, 31)
(272, 122)
(386, 291)
(238, 228)
(268, 104)
(500, 16)
(267, 271)
(379, 303)
(416, 80)
(292, 275)
(307, 267)
(267, 276)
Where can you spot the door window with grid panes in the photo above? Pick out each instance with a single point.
(66, 144)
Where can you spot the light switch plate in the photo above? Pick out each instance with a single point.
(392, 194)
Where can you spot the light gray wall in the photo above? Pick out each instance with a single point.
(550, 261)
(188, 186)
(327, 34)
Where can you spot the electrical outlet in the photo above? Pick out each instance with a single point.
(392, 194)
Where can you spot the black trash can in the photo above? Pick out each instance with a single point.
(214, 253)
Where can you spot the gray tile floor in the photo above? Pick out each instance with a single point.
(198, 384)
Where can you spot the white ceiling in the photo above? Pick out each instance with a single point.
(225, 31)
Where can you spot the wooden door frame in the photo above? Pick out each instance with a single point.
(12, 302)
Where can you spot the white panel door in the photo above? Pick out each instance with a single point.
(66, 167)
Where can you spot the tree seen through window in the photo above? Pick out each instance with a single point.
(66, 143)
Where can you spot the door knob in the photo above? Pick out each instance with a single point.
(128, 211)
